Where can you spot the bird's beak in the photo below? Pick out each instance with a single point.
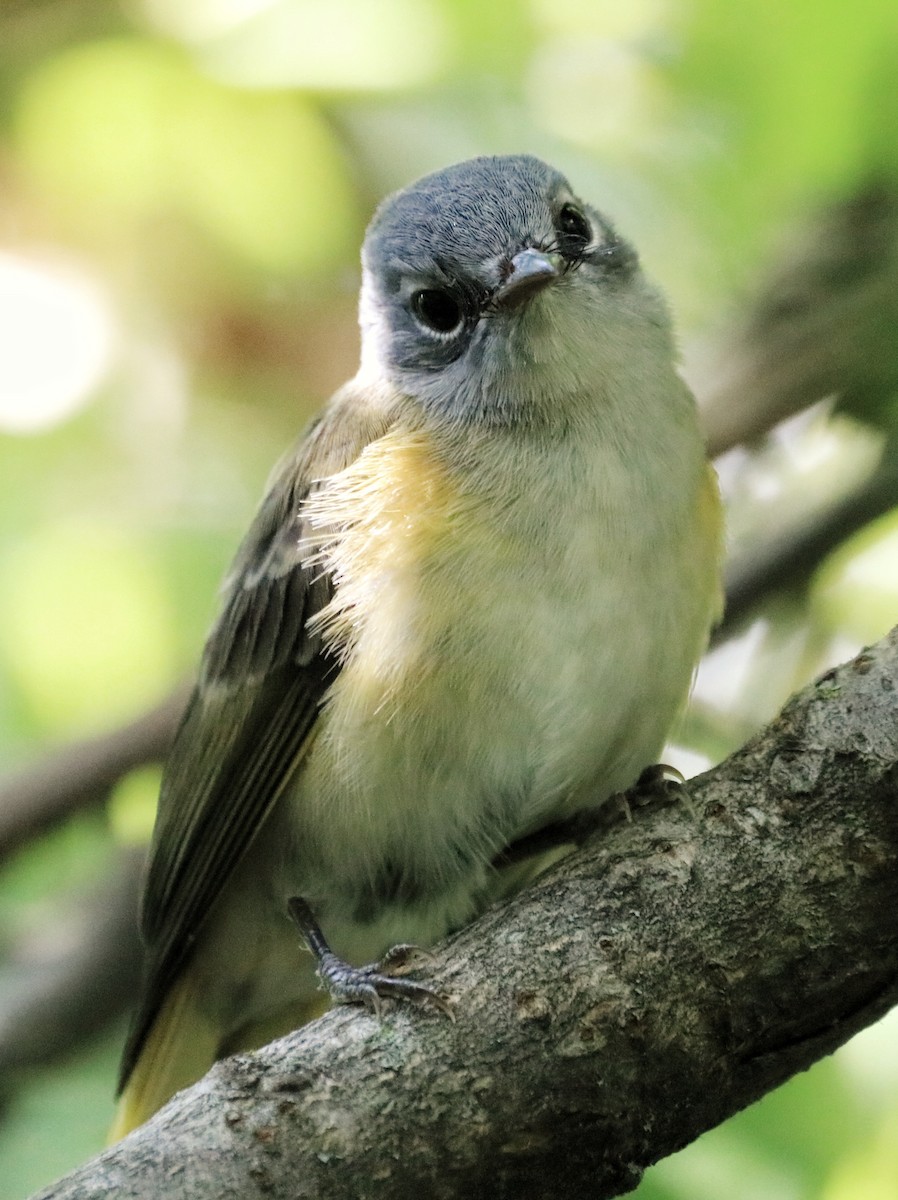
(531, 271)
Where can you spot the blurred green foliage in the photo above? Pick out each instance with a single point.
(185, 184)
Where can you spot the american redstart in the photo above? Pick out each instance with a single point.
(470, 604)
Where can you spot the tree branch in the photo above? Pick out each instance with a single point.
(52, 1003)
(81, 774)
(788, 555)
(822, 324)
(670, 973)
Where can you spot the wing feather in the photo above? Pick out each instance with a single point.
(262, 679)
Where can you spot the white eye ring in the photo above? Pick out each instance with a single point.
(438, 311)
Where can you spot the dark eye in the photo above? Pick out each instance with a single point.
(573, 227)
(437, 309)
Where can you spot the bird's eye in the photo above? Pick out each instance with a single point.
(573, 227)
(437, 309)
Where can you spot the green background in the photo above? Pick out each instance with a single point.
(184, 185)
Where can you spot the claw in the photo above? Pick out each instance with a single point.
(660, 780)
(368, 985)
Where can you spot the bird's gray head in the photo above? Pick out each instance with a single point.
(489, 289)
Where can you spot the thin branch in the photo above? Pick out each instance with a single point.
(674, 970)
(823, 324)
(52, 1004)
(81, 775)
(788, 556)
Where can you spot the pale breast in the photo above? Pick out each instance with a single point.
(503, 661)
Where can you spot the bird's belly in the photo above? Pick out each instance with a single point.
(466, 716)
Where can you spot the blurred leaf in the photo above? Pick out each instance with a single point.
(93, 125)
(70, 857)
(786, 91)
(856, 589)
(349, 45)
(131, 808)
(871, 1171)
(778, 1149)
(263, 173)
(40, 304)
(120, 129)
(85, 626)
(56, 1119)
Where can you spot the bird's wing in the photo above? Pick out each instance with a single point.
(262, 679)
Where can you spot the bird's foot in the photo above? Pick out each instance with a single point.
(658, 782)
(371, 984)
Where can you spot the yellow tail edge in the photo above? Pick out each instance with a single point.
(182, 1045)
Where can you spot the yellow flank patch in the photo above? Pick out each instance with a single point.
(378, 521)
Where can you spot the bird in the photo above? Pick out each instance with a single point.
(470, 605)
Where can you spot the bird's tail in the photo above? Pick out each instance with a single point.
(183, 1043)
(181, 1046)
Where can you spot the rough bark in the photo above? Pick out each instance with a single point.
(678, 967)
